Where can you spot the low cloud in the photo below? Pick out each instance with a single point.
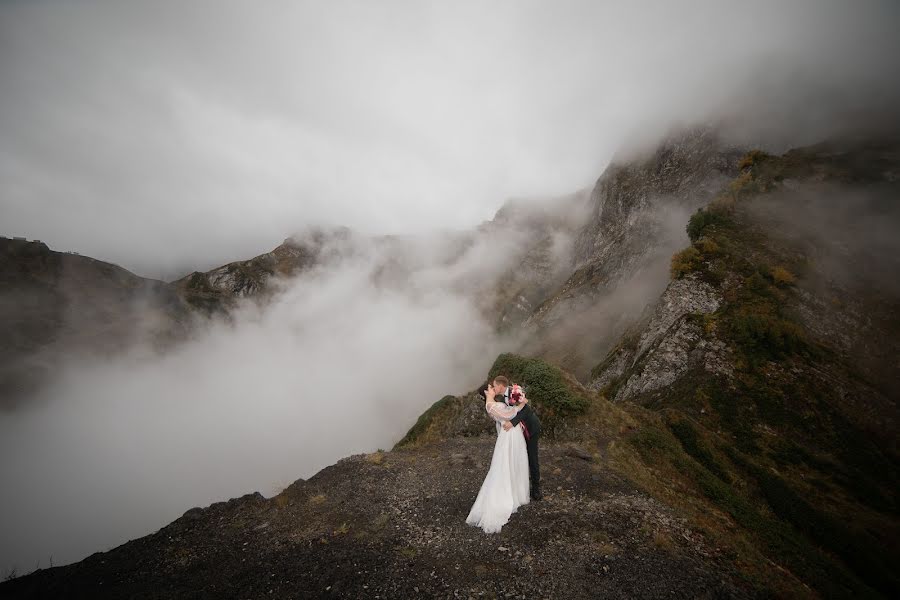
(342, 360)
(167, 138)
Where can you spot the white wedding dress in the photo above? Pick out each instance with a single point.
(505, 487)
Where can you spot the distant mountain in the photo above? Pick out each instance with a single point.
(218, 290)
(60, 304)
(57, 303)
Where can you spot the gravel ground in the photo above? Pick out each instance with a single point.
(393, 525)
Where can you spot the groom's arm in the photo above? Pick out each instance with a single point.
(516, 419)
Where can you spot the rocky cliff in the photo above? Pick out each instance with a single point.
(619, 260)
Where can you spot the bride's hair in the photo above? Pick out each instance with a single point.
(482, 391)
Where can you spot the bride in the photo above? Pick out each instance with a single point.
(505, 487)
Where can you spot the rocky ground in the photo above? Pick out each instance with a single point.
(392, 525)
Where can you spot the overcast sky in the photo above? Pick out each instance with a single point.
(167, 136)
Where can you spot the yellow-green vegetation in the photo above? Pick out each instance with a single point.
(710, 216)
(685, 261)
(740, 184)
(782, 276)
(663, 541)
(752, 158)
(376, 458)
(707, 246)
(343, 529)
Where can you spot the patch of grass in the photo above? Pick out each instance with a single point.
(343, 529)
(782, 542)
(791, 453)
(697, 448)
(375, 458)
(317, 499)
(663, 541)
(650, 440)
(859, 550)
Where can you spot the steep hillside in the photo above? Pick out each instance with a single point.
(636, 217)
(771, 360)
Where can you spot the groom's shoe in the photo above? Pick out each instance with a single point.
(536, 495)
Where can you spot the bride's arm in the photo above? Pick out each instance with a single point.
(501, 412)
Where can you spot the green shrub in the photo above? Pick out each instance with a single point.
(763, 335)
(554, 396)
(704, 218)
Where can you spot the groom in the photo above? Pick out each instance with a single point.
(532, 429)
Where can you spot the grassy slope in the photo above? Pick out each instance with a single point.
(778, 450)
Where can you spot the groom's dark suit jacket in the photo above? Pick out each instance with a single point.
(526, 414)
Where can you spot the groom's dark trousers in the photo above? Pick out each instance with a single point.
(532, 436)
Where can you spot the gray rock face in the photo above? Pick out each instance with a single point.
(638, 214)
(686, 170)
(682, 296)
(616, 364)
(471, 419)
(670, 343)
(667, 360)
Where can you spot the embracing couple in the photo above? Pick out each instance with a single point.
(515, 458)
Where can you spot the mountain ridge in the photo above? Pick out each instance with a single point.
(721, 446)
